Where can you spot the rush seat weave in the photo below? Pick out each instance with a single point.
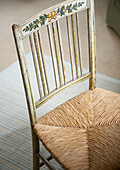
(84, 132)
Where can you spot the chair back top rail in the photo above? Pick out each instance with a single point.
(51, 15)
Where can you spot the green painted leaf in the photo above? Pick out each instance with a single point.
(24, 29)
(74, 8)
(70, 6)
(62, 8)
(30, 25)
(42, 23)
(42, 17)
(37, 20)
(36, 26)
(67, 7)
(75, 5)
(34, 22)
(27, 28)
(58, 10)
(45, 16)
(69, 10)
(79, 4)
(62, 13)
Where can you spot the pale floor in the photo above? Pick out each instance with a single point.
(15, 11)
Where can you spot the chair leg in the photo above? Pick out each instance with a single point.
(35, 143)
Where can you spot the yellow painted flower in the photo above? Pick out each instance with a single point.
(51, 15)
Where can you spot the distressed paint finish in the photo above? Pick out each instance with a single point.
(25, 74)
(92, 44)
(52, 14)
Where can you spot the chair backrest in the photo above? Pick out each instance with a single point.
(50, 19)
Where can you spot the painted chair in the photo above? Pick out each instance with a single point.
(84, 132)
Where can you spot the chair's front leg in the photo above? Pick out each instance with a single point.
(35, 143)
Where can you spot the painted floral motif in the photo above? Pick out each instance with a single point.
(52, 15)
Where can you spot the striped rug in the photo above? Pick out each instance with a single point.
(15, 135)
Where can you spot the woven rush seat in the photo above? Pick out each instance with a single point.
(84, 132)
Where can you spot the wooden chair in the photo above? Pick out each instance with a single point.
(83, 132)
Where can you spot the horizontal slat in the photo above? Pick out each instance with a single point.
(48, 159)
(46, 162)
(54, 92)
(51, 15)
